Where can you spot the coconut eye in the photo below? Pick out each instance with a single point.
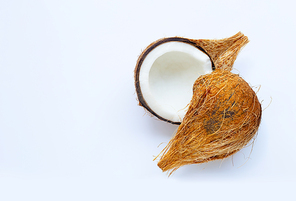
(165, 74)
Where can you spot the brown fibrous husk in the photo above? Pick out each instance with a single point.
(217, 48)
(223, 116)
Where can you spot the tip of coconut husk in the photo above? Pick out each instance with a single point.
(216, 48)
(226, 60)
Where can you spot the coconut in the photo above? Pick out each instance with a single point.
(167, 69)
(223, 116)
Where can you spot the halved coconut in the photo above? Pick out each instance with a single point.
(167, 69)
(165, 74)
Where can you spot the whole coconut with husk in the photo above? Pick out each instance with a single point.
(222, 118)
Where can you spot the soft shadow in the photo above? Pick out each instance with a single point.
(159, 127)
(207, 171)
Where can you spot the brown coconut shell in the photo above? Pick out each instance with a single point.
(213, 48)
(223, 116)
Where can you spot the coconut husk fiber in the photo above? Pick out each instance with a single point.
(223, 115)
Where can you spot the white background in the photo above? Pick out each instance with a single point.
(70, 127)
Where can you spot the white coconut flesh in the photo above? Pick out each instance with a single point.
(167, 76)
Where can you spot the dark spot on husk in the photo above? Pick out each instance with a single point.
(229, 114)
(212, 125)
(230, 96)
